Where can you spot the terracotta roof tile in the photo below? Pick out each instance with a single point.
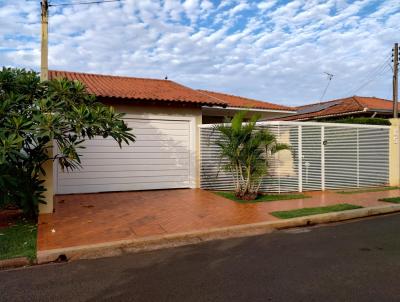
(242, 102)
(341, 107)
(137, 88)
(375, 103)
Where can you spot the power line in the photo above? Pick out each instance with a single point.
(373, 71)
(366, 83)
(382, 72)
(370, 76)
(378, 73)
(84, 3)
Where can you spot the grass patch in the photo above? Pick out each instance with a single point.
(18, 240)
(367, 190)
(313, 211)
(262, 197)
(391, 199)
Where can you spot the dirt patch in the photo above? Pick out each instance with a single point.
(9, 217)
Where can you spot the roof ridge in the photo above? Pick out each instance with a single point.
(324, 102)
(372, 97)
(110, 75)
(343, 99)
(354, 97)
(243, 97)
(203, 93)
(227, 94)
(197, 91)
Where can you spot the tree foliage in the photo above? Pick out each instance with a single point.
(33, 116)
(247, 151)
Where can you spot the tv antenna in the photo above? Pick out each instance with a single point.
(330, 77)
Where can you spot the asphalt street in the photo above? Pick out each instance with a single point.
(354, 261)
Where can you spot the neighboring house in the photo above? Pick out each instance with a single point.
(217, 114)
(164, 116)
(355, 106)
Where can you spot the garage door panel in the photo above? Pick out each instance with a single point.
(136, 155)
(116, 168)
(134, 161)
(125, 187)
(141, 138)
(137, 144)
(145, 124)
(131, 149)
(160, 137)
(163, 126)
(125, 173)
(164, 132)
(159, 159)
(121, 180)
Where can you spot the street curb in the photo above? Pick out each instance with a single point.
(14, 262)
(150, 243)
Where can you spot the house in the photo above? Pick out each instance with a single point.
(355, 106)
(164, 116)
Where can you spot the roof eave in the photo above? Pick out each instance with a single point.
(161, 101)
(253, 109)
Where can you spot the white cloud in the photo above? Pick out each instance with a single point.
(267, 50)
(265, 5)
(192, 9)
(239, 8)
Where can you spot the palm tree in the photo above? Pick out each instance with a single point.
(247, 150)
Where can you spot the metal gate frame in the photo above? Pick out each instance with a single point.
(374, 142)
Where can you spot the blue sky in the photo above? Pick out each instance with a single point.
(271, 50)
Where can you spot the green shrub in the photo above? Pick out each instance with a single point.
(360, 120)
(20, 188)
(35, 115)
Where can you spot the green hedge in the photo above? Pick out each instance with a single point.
(360, 120)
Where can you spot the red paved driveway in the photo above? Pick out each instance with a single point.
(96, 218)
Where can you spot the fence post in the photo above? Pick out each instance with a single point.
(279, 174)
(358, 159)
(300, 158)
(394, 152)
(323, 158)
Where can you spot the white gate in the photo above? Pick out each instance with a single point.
(323, 156)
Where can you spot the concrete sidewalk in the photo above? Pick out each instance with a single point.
(95, 225)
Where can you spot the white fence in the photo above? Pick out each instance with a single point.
(323, 156)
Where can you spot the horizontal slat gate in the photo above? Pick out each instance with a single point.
(311, 157)
(159, 159)
(323, 156)
(341, 157)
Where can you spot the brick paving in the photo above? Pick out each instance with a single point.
(84, 219)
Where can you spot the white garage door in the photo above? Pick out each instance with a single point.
(159, 159)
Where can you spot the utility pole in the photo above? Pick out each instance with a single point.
(395, 60)
(44, 62)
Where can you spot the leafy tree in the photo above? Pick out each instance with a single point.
(33, 116)
(247, 150)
